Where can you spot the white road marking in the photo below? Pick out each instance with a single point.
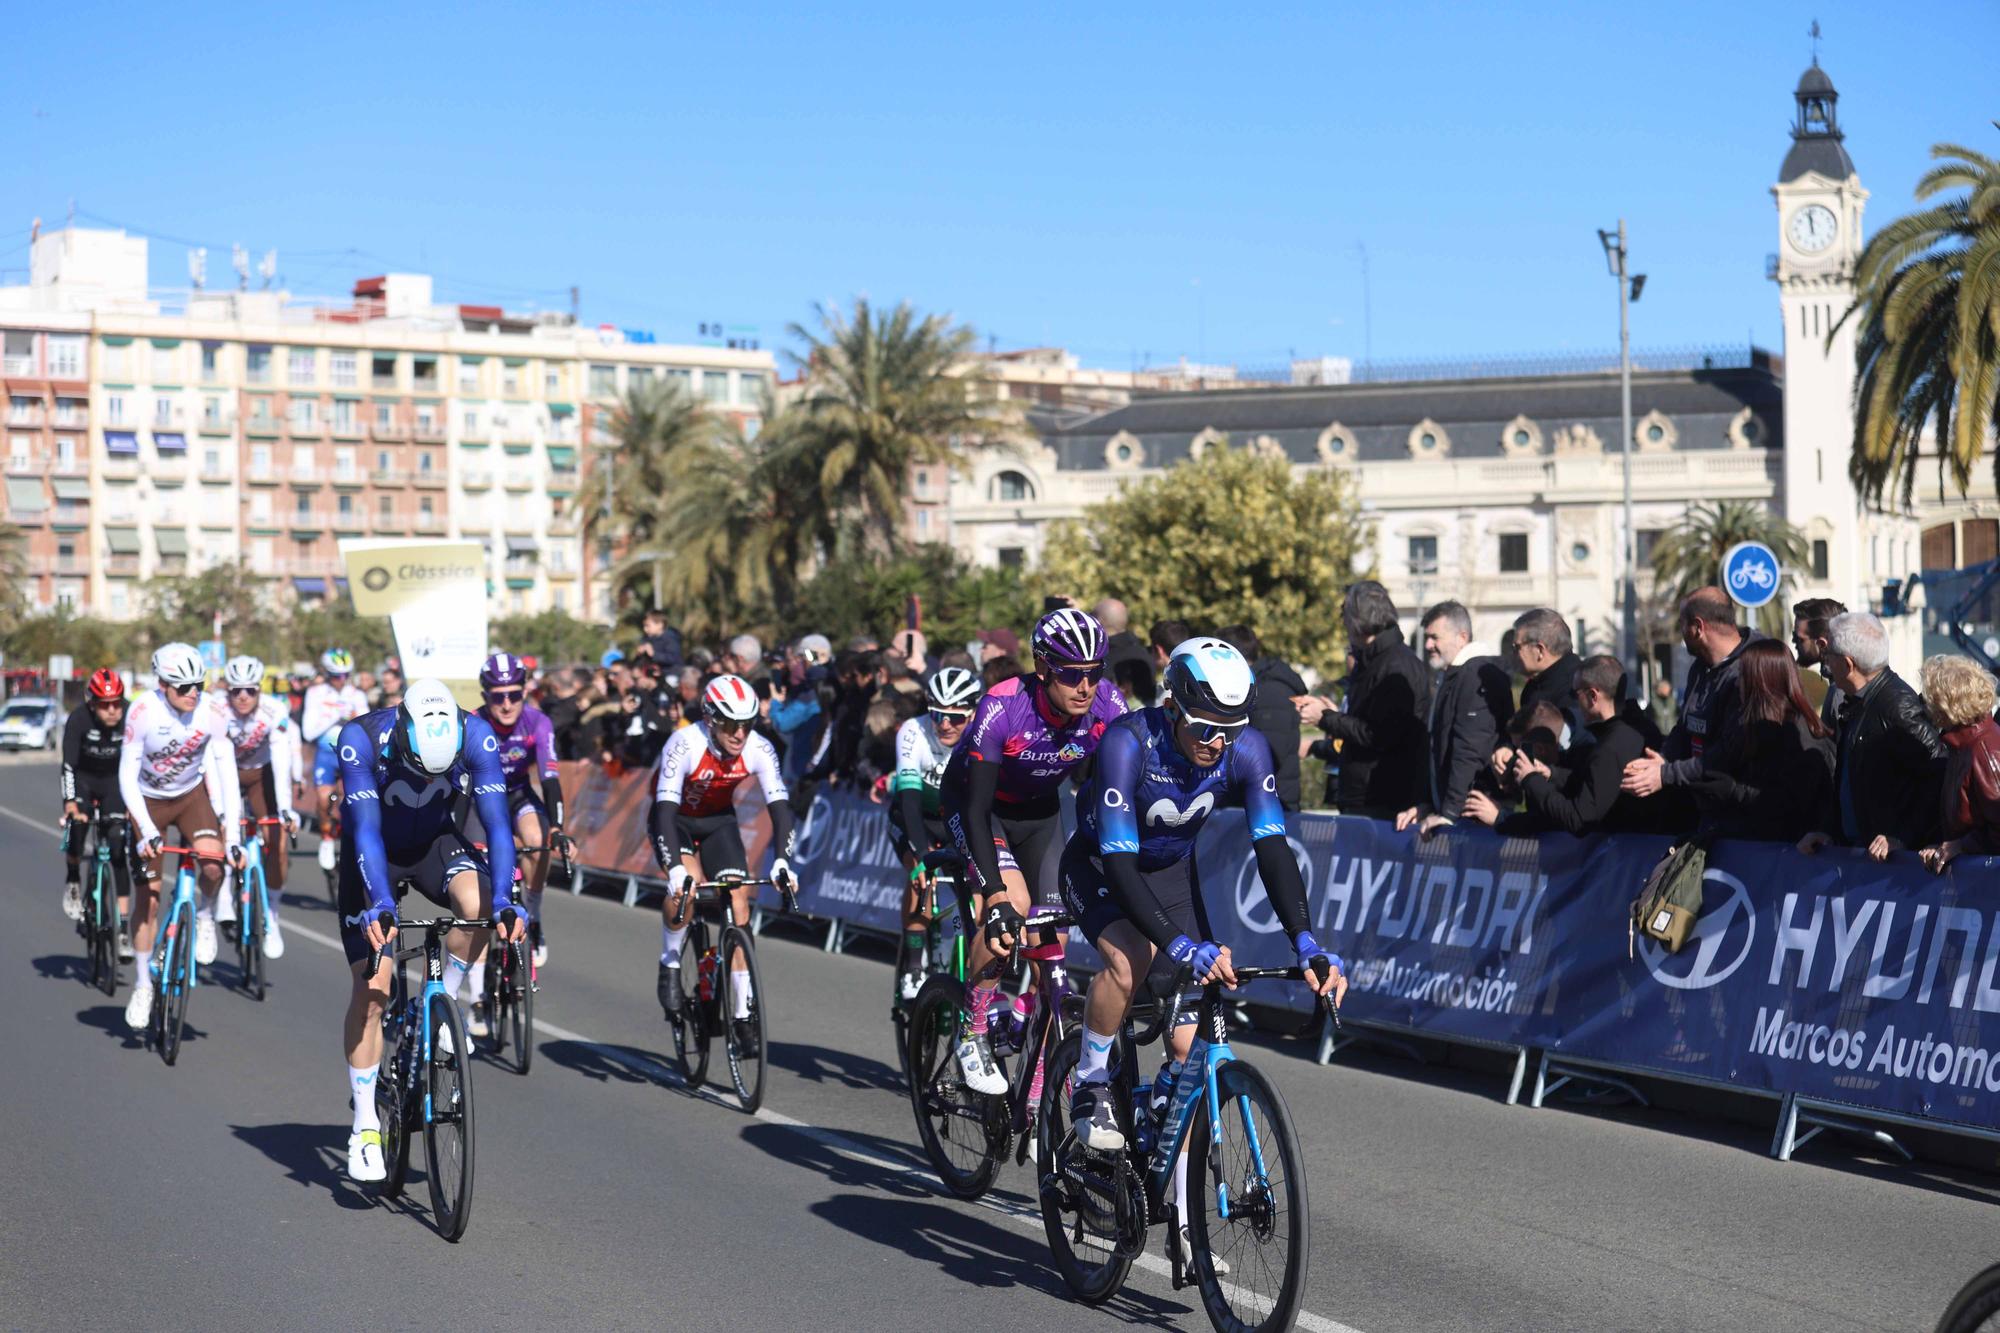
(1020, 1215)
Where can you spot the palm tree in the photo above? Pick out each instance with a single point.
(1928, 346)
(1689, 556)
(884, 391)
(623, 497)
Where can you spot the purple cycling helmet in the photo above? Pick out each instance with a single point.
(502, 669)
(1067, 636)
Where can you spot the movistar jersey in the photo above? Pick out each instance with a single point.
(395, 811)
(1147, 797)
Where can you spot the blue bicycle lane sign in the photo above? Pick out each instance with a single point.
(1750, 574)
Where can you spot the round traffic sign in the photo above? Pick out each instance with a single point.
(1750, 573)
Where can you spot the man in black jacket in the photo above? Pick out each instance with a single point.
(1470, 703)
(1122, 646)
(1382, 755)
(1545, 650)
(1711, 706)
(1581, 795)
(1810, 621)
(1889, 767)
(1271, 711)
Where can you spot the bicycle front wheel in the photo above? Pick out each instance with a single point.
(447, 1093)
(176, 981)
(250, 937)
(1081, 1223)
(1976, 1307)
(1253, 1170)
(102, 907)
(522, 1004)
(742, 1037)
(395, 1093)
(964, 1133)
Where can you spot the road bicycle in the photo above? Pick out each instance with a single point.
(512, 980)
(329, 864)
(173, 974)
(1976, 1307)
(99, 925)
(427, 1077)
(1244, 1165)
(943, 949)
(708, 1000)
(253, 907)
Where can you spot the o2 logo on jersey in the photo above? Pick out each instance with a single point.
(491, 743)
(1114, 799)
(1164, 811)
(1270, 783)
(347, 755)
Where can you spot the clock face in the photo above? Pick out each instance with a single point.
(1812, 228)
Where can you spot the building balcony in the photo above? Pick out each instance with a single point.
(26, 467)
(18, 367)
(428, 524)
(520, 484)
(310, 520)
(388, 476)
(25, 416)
(428, 432)
(520, 525)
(121, 566)
(169, 467)
(120, 466)
(385, 383)
(390, 523)
(393, 431)
(305, 474)
(563, 526)
(351, 430)
(306, 430)
(225, 424)
(69, 564)
(350, 479)
(349, 524)
(70, 420)
(423, 480)
(560, 575)
(476, 480)
(216, 472)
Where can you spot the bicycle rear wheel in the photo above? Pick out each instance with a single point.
(250, 938)
(691, 1031)
(1976, 1307)
(1265, 1238)
(523, 1005)
(395, 1090)
(498, 999)
(101, 919)
(1082, 1227)
(447, 1092)
(742, 1039)
(964, 1133)
(176, 981)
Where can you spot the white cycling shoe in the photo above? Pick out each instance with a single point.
(476, 1026)
(327, 852)
(274, 939)
(204, 940)
(73, 901)
(139, 1009)
(977, 1066)
(364, 1157)
(1216, 1261)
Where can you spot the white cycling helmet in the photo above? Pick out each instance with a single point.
(178, 664)
(429, 730)
(337, 662)
(728, 699)
(243, 672)
(953, 690)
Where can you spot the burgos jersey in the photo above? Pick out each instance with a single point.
(1012, 728)
(1146, 797)
(702, 782)
(920, 760)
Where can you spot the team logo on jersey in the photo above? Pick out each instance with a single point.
(1164, 811)
(1071, 753)
(1114, 799)
(406, 793)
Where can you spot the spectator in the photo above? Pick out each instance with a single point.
(913, 649)
(391, 692)
(619, 679)
(1889, 766)
(1581, 794)
(365, 682)
(1469, 704)
(1770, 776)
(1709, 705)
(1382, 732)
(562, 700)
(1166, 636)
(689, 688)
(1121, 644)
(631, 736)
(1960, 697)
(744, 658)
(957, 657)
(1664, 708)
(1271, 711)
(997, 669)
(1810, 619)
(797, 712)
(859, 677)
(661, 639)
(998, 643)
(1544, 650)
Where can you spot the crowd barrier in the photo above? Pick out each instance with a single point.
(1833, 984)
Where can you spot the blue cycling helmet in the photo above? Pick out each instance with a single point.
(1208, 676)
(1067, 636)
(502, 669)
(611, 657)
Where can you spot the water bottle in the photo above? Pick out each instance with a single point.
(1154, 1112)
(705, 977)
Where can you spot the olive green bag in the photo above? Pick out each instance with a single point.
(1667, 907)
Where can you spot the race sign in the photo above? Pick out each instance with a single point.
(1750, 573)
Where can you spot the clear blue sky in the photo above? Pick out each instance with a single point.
(1142, 182)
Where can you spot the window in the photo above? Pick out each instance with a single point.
(119, 599)
(424, 463)
(304, 413)
(552, 381)
(923, 522)
(748, 387)
(19, 447)
(211, 464)
(114, 408)
(23, 410)
(384, 416)
(117, 361)
(426, 420)
(1513, 553)
(65, 357)
(382, 370)
(381, 460)
(344, 506)
(1011, 557)
(345, 370)
(1643, 543)
(302, 504)
(211, 361)
(343, 414)
(562, 599)
(211, 411)
(163, 411)
(1423, 555)
(510, 379)
(424, 371)
(260, 412)
(638, 379)
(1819, 559)
(468, 375)
(385, 507)
(302, 367)
(343, 464)
(715, 385)
(65, 453)
(20, 353)
(424, 510)
(257, 364)
(71, 411)
(1012, 487)
(471, 421)
(164, 359)
(684, 378)
(260, 461)
(604, 381)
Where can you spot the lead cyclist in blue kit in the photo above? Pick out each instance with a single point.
(1128, 872)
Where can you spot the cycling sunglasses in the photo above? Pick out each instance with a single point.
(1206, 732)
(192, 688)
(505, 696)
(955, 719)
(1075, 676)
(245, 691)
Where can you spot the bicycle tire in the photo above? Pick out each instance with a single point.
(101, 908)
(1242, 1091)
(251, 939)
(1976, 1306)
(1090, 1283)
(448, 1122)
(497, 999)
(395, 1094)
(746, 1066)
(691, 1032)
(176, 982)
(965, 1152)
(521, 1005)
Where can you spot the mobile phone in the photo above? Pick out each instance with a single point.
(913, 612)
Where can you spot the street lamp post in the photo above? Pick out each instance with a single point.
(1615, 255)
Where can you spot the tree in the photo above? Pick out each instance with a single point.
(1928, 344)
(1229, 537)
(885, 391)
(187, 607)
(91, 643)
(1689, 556)
(13, 577)
(861, 594)
(553, 638)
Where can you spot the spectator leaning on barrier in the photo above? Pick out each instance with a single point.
(1810, 621)
(1960, 697)
(1579, 794)
(1889, 763)
(1382, 754)
(1543, 648)
(1271, 711)
(1470, 703)
(1708, 705)
(1770, 777)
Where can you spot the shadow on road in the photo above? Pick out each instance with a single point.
(110, 1020)
(315, 1157)
(607, 1064)
(821, 1064)
(62, 967)
(895, 1173)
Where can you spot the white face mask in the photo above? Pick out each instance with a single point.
(1563, 740)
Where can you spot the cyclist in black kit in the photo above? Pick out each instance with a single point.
(91, 741)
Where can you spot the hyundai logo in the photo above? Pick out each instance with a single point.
(1250, 890)
(805, 847)
(1701, 962)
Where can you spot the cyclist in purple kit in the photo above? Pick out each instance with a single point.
(1000, 805)
(527, 754)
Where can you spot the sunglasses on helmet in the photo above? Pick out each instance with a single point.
(1074, 676)
(1207, 732)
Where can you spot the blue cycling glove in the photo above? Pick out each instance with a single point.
(1202, 956)
(1308, 949)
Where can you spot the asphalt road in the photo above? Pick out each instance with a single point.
(212, 1193)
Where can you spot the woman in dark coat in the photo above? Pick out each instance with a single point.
(1772, 776)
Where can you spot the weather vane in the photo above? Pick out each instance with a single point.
(1815, 37)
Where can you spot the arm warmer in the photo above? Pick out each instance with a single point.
(781, 827)
(910, 806)
(72, 752)
(666, 829)
(552, 796)
(1282, 884)
(982, 779)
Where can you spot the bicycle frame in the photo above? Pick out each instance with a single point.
(165, 913)
(397, 1016)
(105, 830)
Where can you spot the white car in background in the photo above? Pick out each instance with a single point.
(30, 722)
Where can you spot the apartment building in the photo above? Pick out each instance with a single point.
(162, 432)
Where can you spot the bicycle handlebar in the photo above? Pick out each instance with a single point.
(435, 925)
(1244, 974)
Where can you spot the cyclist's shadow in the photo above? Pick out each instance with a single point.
(821, 1064)
(62, 967)
(315, 1156)
(110, 1020)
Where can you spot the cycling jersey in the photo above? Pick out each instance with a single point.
(166, 754)
(1012, 728)
(90, 748)
(1148, 798)
(396, 811)
(326, 709)
(528, 757)
(263, 740)
(920, 761)
(701, 782)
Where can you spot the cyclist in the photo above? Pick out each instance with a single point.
(262, 731)
(92, 740)
(328, 705)
(694, 830)
(1128, 873)
(400, 771)
(527, 751)
(1000, 801)
(174, 765)
(923, 744)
